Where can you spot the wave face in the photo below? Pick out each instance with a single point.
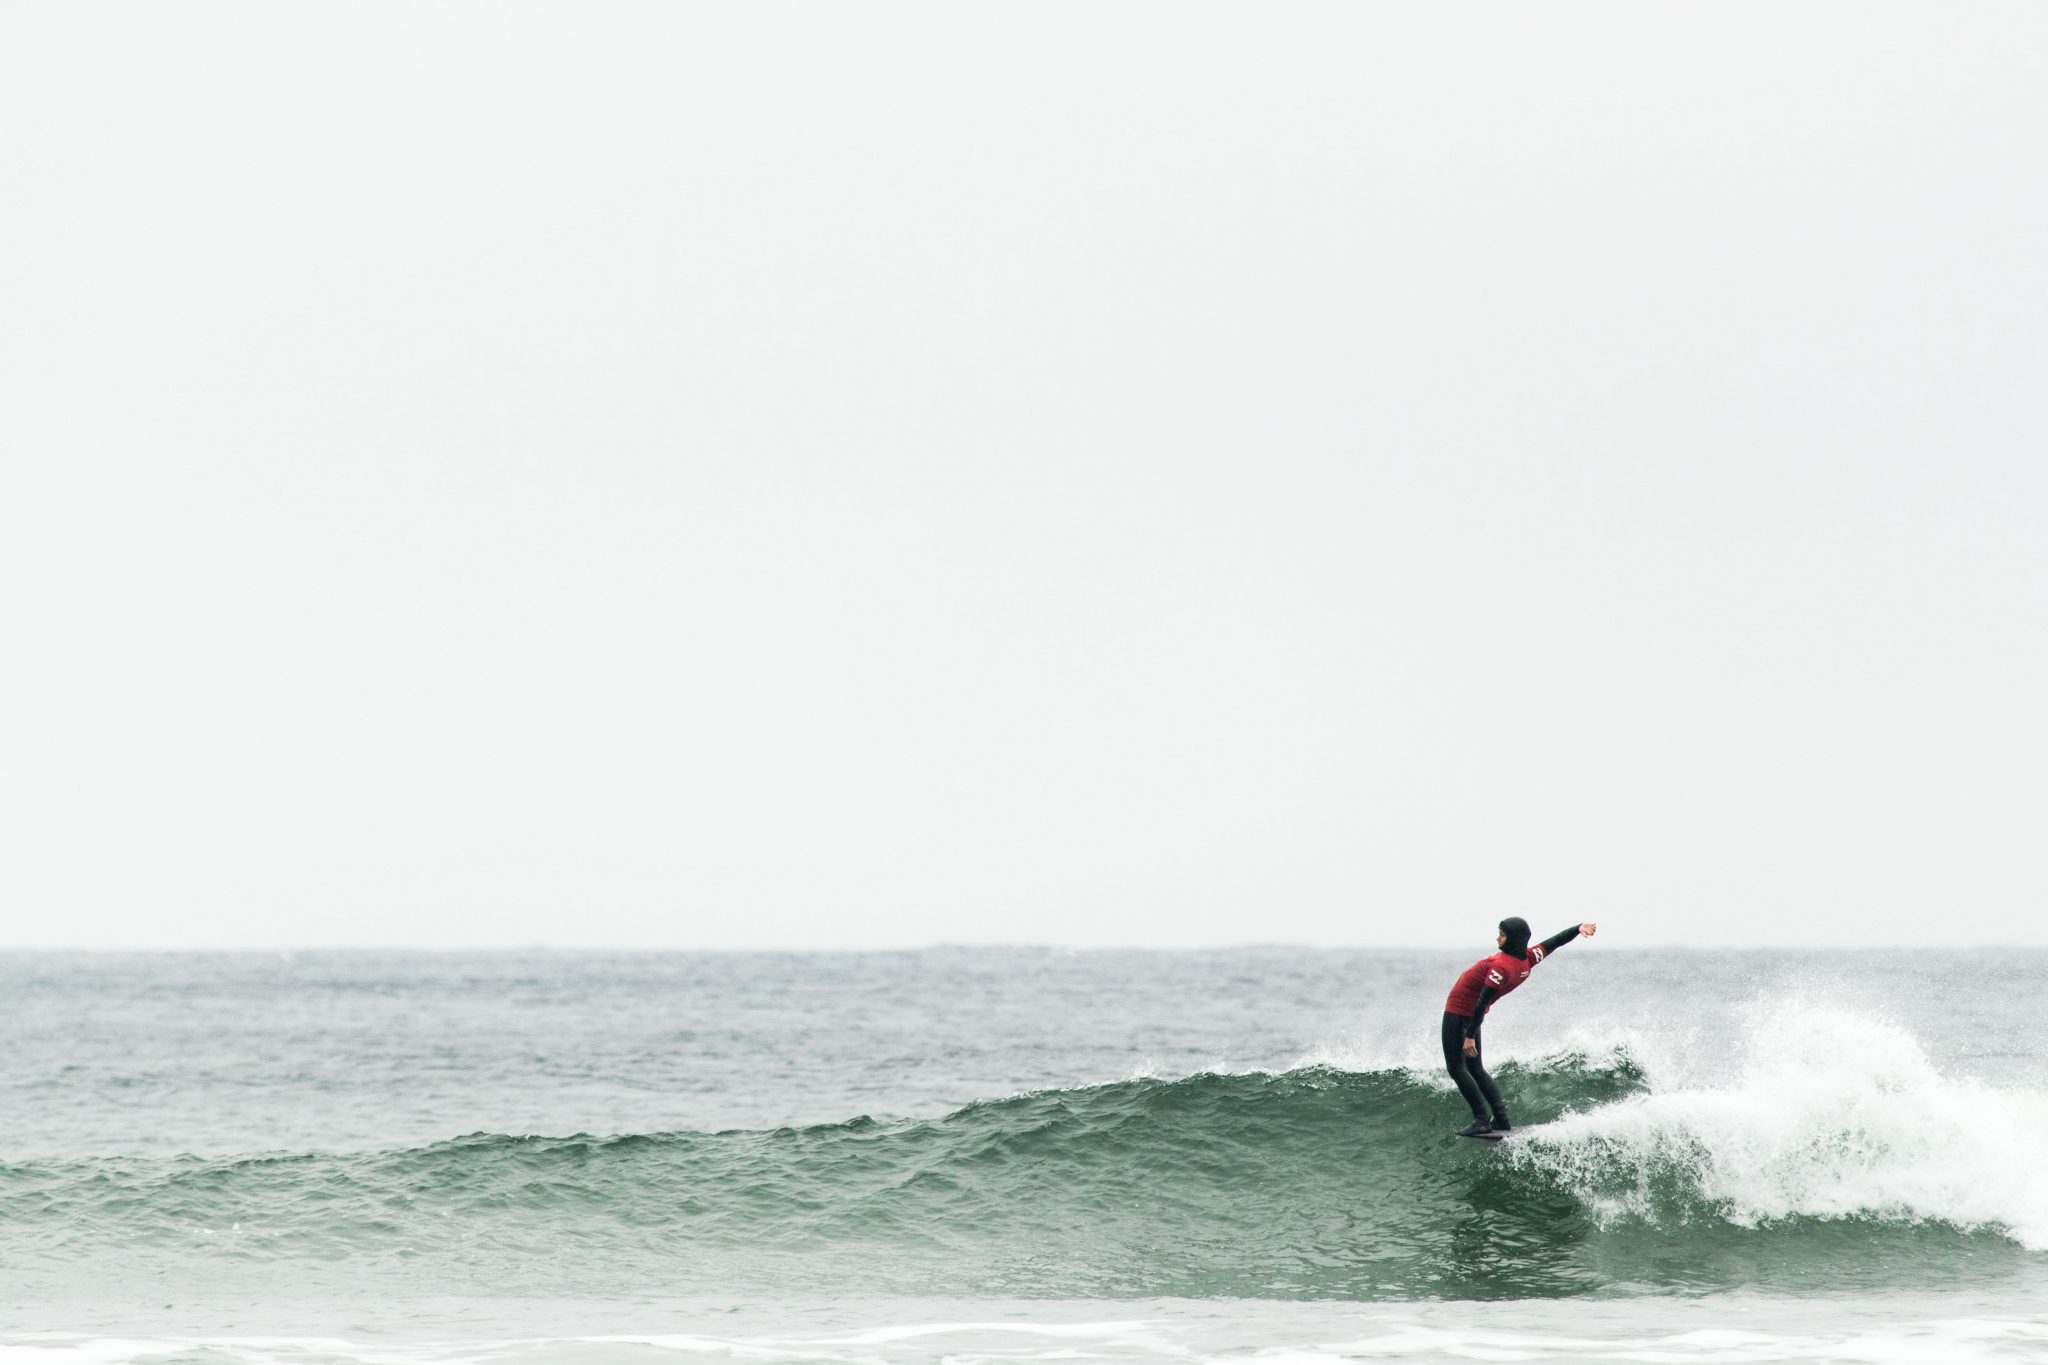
(1315, 1183)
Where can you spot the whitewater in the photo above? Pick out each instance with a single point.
(1016, 1154)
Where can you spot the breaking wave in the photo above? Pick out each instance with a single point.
(1870, 1171)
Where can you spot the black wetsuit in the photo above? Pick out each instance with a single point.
(1470, 1072)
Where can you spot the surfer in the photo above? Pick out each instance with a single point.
(1482, 983)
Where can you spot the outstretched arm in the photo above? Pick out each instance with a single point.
(1559, 939)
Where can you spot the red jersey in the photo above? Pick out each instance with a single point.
(1501, 971)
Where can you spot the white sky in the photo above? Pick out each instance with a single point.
(834, 475)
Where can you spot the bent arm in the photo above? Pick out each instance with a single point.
(1487, 995)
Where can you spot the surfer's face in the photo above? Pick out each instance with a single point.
(1500, 940)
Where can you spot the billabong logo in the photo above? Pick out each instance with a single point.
(1494, 976)
(1537, 952)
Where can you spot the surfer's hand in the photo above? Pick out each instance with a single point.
(1471, 1047)
(1589, 929)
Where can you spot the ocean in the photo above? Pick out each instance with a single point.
(1017, 1154)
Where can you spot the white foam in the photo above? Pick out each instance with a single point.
(1377, 1335)
(1831, 1113)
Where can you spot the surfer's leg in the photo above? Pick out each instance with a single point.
(1457, 1063)
(1497, 1106)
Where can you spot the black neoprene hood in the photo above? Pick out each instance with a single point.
(1517, 930)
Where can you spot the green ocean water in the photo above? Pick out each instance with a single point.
(982, 1153)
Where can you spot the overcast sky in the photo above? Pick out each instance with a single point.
(862, 475)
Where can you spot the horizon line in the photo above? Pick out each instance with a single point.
(948, 946)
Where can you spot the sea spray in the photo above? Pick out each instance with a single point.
(1834, 1115)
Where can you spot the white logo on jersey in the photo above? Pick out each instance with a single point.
(1537, 952)
(1494, 976)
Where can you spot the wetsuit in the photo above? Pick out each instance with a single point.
(1482, 983)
